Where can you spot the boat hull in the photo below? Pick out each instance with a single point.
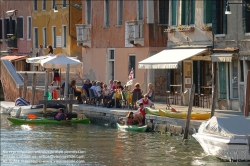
(183, 115)
(132, 128)
(47, 121)
(236, 148)
(152, 111)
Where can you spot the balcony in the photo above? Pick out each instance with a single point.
(135, 32)
(83, 35)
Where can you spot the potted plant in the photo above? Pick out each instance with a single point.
(206, 27)
(182, 28)
(169, 30)
(13, 37)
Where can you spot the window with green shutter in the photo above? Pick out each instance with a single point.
(1, 30)
(174, 12)
(188, 12)
(247, 16)
(20, 27)
(222, 79)
(163, 11)
(88, 11)
(207, 12)
(219, 18)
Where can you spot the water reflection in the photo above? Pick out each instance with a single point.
(80, 144)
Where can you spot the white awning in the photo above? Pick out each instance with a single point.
(221, 57)
(168, 59)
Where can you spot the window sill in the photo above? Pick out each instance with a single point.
(28, 39)
(105, 27)
(220, 35)
(118, 25)
(247, 34)
(162, 24)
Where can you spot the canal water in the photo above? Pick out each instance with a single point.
(81, 144)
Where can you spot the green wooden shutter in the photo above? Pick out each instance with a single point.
(192, 11)
(20, 27)
(246, 12)
(214, 17)
(207, 12)
(183, 12)
(187, 12)
(222, 78)
(174, 5)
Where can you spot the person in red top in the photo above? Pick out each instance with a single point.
(129, 120)
(139, 115)
(146, 102)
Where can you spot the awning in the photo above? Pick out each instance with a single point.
(168, 59)
(221, 57)
(14, 57)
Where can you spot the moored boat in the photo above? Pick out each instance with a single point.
(47, 121)
(132, 127)
(226, 137)
(183, 115)
(152, 111)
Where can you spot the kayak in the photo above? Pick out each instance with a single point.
(151, 111)
(47, 121)
(183, 115)
(132, 127)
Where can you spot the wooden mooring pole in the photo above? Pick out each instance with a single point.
(25, 82)
(247, 99)
(214, 93)
(190, 104)
(33, 89)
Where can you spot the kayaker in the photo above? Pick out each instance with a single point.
(139, 115)
(129, 119)
(60, 115)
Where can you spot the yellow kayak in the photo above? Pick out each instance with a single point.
(183, 115)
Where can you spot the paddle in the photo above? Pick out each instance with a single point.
(32, 116)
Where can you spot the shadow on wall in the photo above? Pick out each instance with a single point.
(1, 92)
(91, 76)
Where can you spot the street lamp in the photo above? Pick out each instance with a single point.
(228, 11)
(77, 6)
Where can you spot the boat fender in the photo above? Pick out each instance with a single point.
(18, 112)
(9, 110)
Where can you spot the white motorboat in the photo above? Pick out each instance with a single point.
(227, 138)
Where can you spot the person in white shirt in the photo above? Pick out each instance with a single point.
(146, 102)
(98, 90)
(93, 87)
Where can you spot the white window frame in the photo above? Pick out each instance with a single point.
(36, 5)
(29, 29)
(108, 63)
(34, 43)
(118, 12)
(231, 79)
(45, 38)
(137, 6)
(129, 55)
(64, 33)
(86, 12)
(44, 2)
(23, 27)
(53, 36)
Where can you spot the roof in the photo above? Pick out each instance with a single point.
(14, 57)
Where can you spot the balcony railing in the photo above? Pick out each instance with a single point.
(135, 31)
(83, 33)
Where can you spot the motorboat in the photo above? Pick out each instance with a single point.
(227, 137)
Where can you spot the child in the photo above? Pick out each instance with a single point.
(60, 115)
(139, 115)
(129, 120)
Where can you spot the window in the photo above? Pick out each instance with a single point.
(29, 27)
(131, 64)
(174, 12)
(219, 18)
(6, 28)
(20, 27)
(64, 3)
(111, 64)
(222, 80)
(44, 4)
(241, 72)
(1, 29)
(140, 10)
(188, 12)
(247, 15)
(36, 37)
(44, 37)
(106, 13)
(163, 11)
(35, 5)
(54, 37)
(234, 78)
(88, 11)
(53, 4)
(119, 11)
(64, 41)
(207, 12)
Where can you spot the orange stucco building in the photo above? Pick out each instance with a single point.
(116, 35)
